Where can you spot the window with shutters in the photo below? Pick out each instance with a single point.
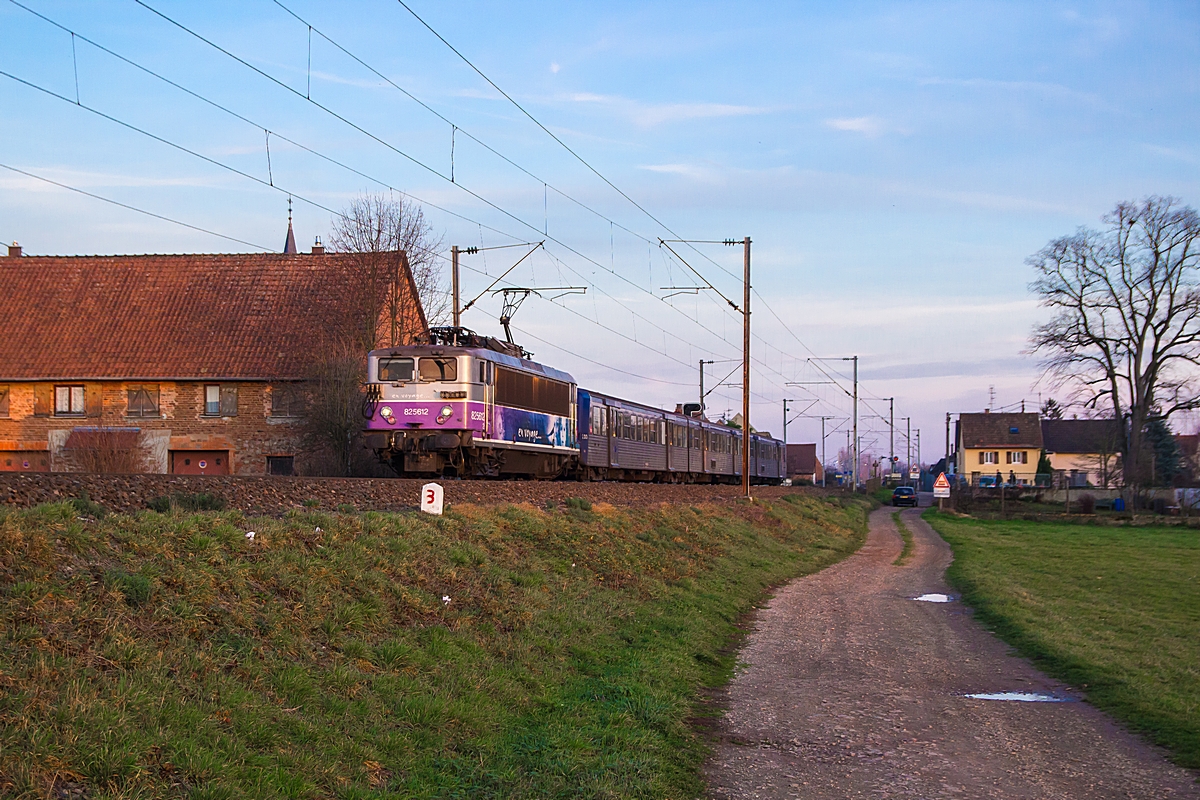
(989, 457)
(1018, 457)
(69, 401)
(143, 401)
(3, 401)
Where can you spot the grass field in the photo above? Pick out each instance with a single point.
(1114, 612)
(505, 651)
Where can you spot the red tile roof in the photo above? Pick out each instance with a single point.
(238, 316)
(1000, 430)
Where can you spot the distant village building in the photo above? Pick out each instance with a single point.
(1005, 445)
(1084, 452)
(194, 364)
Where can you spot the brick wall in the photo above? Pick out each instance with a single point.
(34, 438)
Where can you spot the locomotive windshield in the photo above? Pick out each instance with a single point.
(439, 369)
(396, 369)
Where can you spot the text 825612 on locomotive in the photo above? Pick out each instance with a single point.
(473, 407)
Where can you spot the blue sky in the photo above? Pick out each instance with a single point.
(894, 163)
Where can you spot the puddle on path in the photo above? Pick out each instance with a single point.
(1020, 697)
(935, 598)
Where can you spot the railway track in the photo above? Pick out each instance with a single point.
(276, 495)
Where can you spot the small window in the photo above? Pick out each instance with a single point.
(3, 401)
(989, 457)
(212, 400)
(1018, 457)
(483, 372)
(68, 401)
(281, 465)
(396, 370)
(143, 401)
(439, 369)
(286, 401)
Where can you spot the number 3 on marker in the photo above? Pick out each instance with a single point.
(431, 498)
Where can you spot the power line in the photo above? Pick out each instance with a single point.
(562, 349)
(454, 127)
(252, 123)
(134, 208)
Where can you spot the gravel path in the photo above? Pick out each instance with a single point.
(852, 689)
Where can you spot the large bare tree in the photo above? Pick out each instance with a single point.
(392, 242)
(1125, 335)
(391, 250)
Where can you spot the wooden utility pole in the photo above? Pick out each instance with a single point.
(746, 369)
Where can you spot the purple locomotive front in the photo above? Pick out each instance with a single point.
(469, 412)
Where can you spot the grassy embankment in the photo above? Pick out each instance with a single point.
(494, 652)
(1112, 611)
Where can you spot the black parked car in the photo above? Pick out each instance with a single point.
(904, 496)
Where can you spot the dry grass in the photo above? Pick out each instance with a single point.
(494, 652)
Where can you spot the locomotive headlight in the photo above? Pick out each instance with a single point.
(386, 413)
(447, 411)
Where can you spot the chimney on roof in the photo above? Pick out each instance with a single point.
(289, 244)
(318, 248)
(14, 250)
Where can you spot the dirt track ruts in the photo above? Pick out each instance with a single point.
(851, 689)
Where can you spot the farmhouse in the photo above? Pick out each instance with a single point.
(1005, 444)
(192, 364)
(1084, 452)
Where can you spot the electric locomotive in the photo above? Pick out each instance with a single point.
(467, 405)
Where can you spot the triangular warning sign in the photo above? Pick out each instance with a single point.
(941, 482)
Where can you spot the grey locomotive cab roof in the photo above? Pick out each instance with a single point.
(523, 364)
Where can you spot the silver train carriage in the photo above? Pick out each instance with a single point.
(480, 409)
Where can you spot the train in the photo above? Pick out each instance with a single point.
(464, 405)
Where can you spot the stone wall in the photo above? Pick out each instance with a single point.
(250, 436)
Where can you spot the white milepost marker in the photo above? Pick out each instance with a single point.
(431, 498)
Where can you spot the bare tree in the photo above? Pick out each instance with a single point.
(1126, 330)
(393, 247)
(391, 253)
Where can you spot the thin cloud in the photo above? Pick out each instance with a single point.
(646, 115)
(1173, 153)
(94, 180)
(1044, 88)
(686, 170)
(868, 126)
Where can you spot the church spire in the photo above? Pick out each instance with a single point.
(289, 245)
